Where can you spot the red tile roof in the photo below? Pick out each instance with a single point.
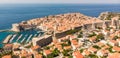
(77, 54)
(7, 56)
(116, 48)
(114, 55)
(47, 52)
(38, 56)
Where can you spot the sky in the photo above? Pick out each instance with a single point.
(62, 1)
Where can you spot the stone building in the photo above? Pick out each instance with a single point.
(15, 27)
(42, 41)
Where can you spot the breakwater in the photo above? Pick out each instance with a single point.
(5, 30)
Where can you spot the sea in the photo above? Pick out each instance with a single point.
(15, 13)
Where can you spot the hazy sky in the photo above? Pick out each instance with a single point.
(60, 1)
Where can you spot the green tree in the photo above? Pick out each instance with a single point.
(99, 37)
(55, 52)
(92, 56)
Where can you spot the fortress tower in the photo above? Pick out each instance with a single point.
(15, 27)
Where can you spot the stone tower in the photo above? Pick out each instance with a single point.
(15, 27)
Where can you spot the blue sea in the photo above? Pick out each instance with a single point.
(15, 13)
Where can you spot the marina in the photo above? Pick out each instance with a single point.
(20, 37)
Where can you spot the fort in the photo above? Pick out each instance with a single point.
(64, 22)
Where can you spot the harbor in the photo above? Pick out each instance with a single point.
(59, 29)
(20, 37)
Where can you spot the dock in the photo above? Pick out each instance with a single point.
(7, 39)
(35, 35)
(4, 30)
(39, 35)
(12, 38)
(29, 38)
(19, 37)
(24, 38)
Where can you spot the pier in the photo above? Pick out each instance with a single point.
(19, 37)
(35, 35)
(24, 38)
(12, 38)
(4, 30)
(7, 39)
(39, 35)
(29, 38)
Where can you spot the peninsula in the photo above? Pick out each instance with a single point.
(60, 23)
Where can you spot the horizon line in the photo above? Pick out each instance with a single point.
(59, 3)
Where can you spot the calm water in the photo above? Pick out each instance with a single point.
(21, 12)
(16, 13)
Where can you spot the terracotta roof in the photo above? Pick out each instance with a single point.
(35, 47)
(105, 47)
(26, 54)
(67, 47)
(103, 51)
(47, 52)
(114, 55)
(8, 45)
(92, 38)
(116, 48)
(92, 49)
(77, 54)
(74, 42)
(100, 44)
(86, 52)
(38, 56)
(7, 56)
